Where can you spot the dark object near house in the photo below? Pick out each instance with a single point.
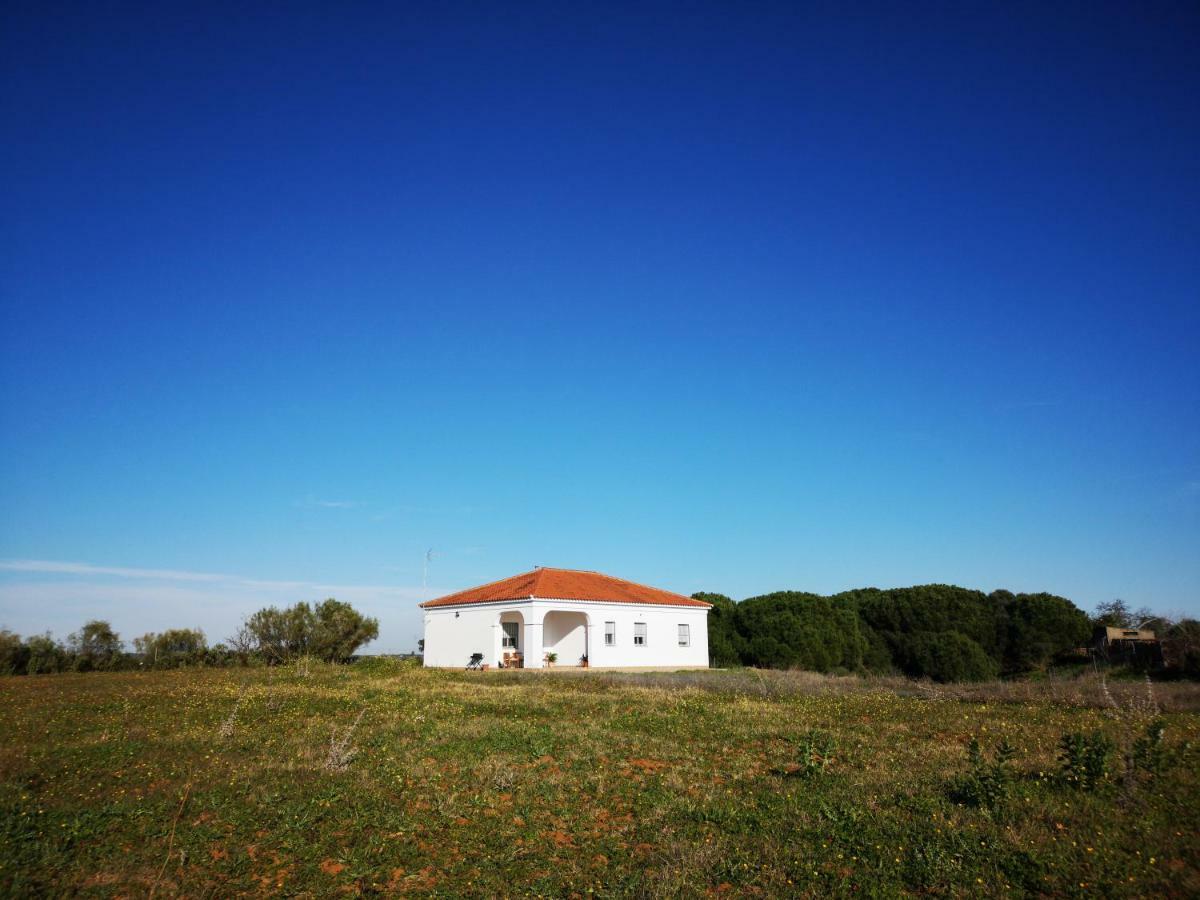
(1134, 646)
(476, 661)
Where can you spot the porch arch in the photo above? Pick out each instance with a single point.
(509, 639)
(565, 633)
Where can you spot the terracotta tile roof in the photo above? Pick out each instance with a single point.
(564, 584)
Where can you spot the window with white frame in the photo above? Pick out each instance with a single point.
(610, 634)
(639, 634)
(509, 638)
(685, 635)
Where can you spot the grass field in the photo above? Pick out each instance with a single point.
(225, 782)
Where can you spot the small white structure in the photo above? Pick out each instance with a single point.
(583, 618)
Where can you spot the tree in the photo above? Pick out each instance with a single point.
(948, 656)
(174, 647)
(1039, 627)
(14, 655)
(1181, 647)
(96, 646)
(339, 630)
(281, 634)
(1114, 614)
(789, 629)
(722, 631)
(242, 644)
(46, 655)
(910, 621)
(333, 631)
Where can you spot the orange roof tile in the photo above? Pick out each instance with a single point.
(564, 584)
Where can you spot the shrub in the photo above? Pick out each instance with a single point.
(988, 782)
(1084, 759)
(817, 749)
(1149, 752)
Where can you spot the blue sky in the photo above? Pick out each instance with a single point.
(710, 296)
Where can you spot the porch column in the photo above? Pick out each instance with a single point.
(533, 645)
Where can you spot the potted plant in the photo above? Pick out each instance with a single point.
(551, 658)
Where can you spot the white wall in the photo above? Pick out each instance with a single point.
(662, 638)
(452, 634)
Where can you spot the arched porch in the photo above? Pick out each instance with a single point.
(565, 634)
(511, 638)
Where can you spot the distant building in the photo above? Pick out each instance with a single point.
(1127, 645)
(583, 618)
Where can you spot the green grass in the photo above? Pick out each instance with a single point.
(526, 783)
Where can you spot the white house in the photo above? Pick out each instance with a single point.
(581, 617)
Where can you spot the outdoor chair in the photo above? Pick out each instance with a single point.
(476, 661)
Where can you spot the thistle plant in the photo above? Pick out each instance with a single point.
(341, 754)
(227, 727)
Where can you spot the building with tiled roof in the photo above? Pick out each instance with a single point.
(566, 617)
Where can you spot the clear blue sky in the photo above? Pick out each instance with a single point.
(716, 297)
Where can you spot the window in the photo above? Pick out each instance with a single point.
(509, 639)
(685, 635)
(639, 634)
(610, 634)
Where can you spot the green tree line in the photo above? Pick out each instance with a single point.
(936, 631)
(330, 630)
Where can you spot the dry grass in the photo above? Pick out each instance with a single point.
(1086, 691)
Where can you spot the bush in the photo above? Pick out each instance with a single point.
(1149, 752)
(988, 782)
(1084, 759)
(817, 749)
